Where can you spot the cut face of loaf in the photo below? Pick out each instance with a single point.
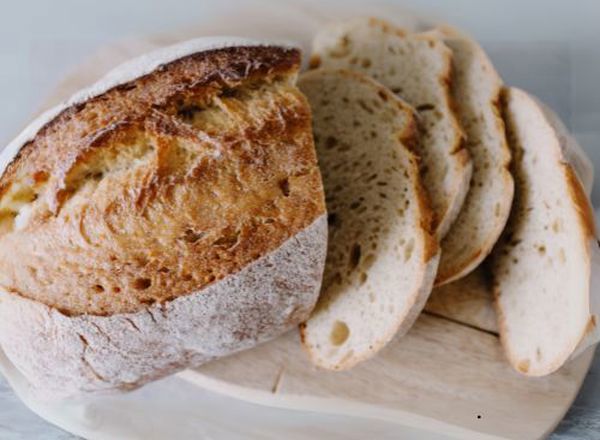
(476, 90)
(417, 67)
(381, 257)
(162, 222)
(542, 264)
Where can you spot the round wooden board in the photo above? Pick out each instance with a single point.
(447, 376)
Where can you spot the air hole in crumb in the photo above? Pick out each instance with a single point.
(363, 278)
(354, 256)
(116, 289)
(330, 142)
(542, 249)
(164, 270)
(365, 107)
(562, 256)
(315, 61)
(339, 333)
(556, 226)
(98, 288)
(366, 63)
(142, 283)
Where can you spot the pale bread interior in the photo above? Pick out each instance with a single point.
(381, 257)
(417, 68)
(476, 90)
(542, 264)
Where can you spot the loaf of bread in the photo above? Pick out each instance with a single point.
(169, 215)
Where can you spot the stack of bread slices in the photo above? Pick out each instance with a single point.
(430, 164)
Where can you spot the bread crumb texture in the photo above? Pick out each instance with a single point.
(380, 245)
(417, 68)
(541, 265)
(161, 186)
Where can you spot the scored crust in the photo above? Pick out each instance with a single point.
(200, 179)
(162, 185)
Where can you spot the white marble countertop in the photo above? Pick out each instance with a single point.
(41, 41)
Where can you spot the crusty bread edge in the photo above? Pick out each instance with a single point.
(64, 356)
(588, 242)
(459, 151)
(431, 254)
(123, 73)
(508, 181)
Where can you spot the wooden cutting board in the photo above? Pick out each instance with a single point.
(448, 376)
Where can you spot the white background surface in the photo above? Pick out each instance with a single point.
(551, 48)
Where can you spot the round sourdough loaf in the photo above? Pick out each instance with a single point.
(171, 214)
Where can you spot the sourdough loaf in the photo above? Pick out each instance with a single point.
(169, 215)
(417, 67)
(542, 266)
(382, 256)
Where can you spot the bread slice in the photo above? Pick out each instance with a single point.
(476, 88)
(382, 257)
(542, 265)
(169, 215)
(417, 67)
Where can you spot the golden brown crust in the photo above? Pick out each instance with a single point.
(409, 138)
(581, 201)
(163, 185)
